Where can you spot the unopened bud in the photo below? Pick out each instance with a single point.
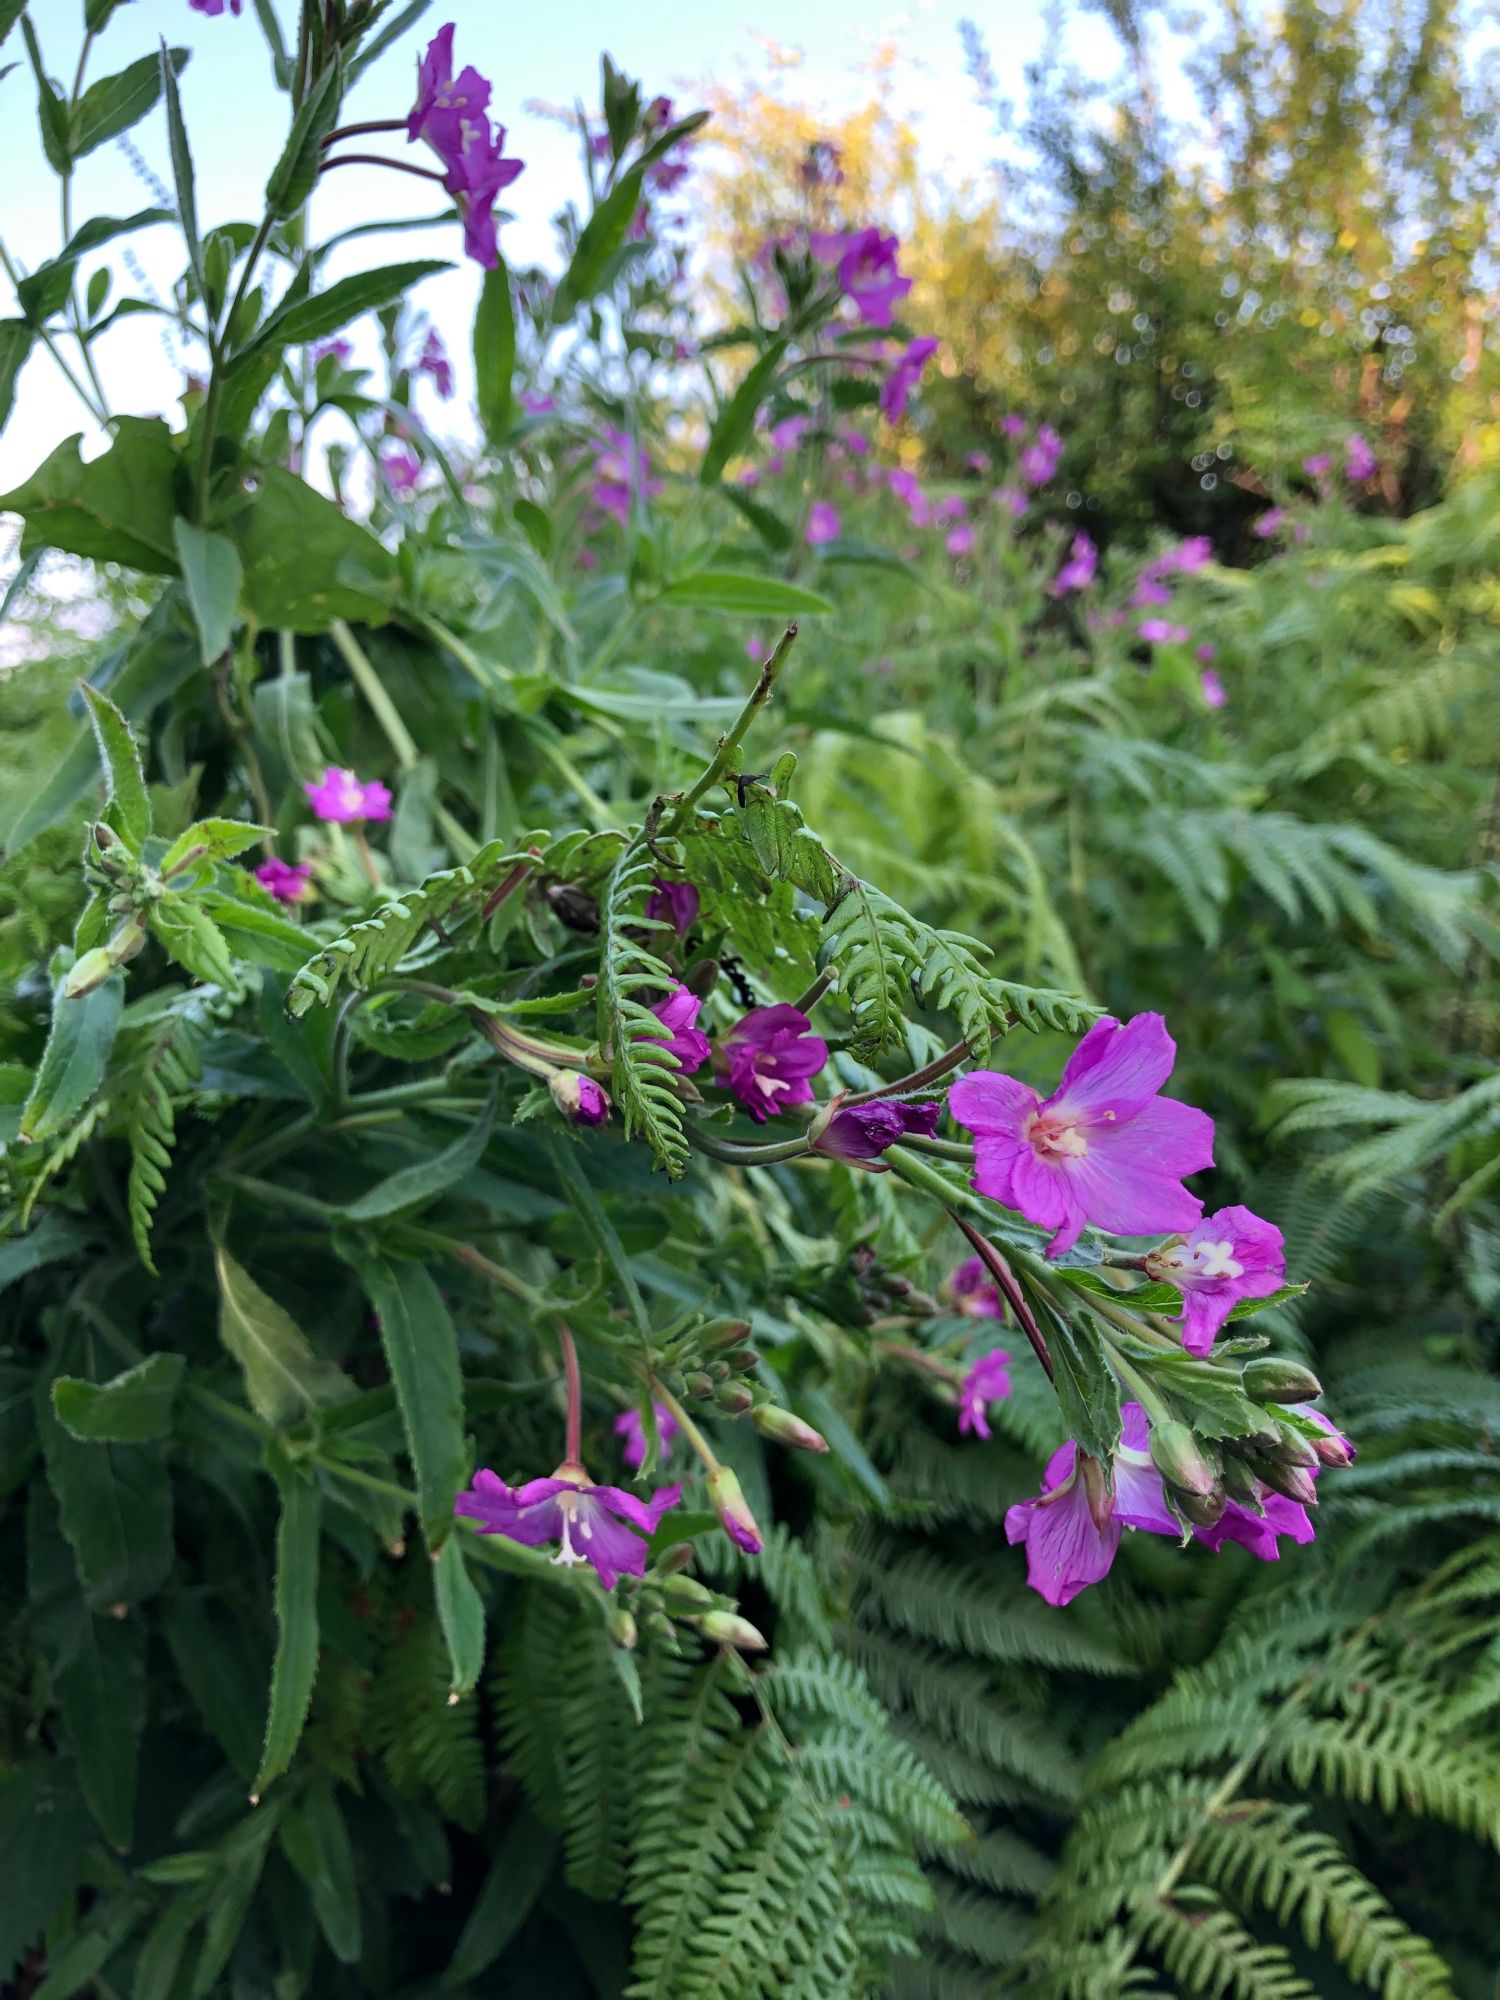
(729, 1503)
(1179, 1458)
(687, 1592)
(1202, 1509)
(578, 1097)
(105, 836)
(90, 971)
(1292, 1448)
(621, 1628)
(1240, 1483)
(743, 1361)
(573, 906)
(721, 1334)
(727, 1628)
(1098, 1489)
(1332, 1449)
(698, 1385)
(660, 1626)
(1271, 1378)
(700, 978)
(675, 1558)
(718, 1371)
(773, 1422)
(1291, 1481)
(734, 1398)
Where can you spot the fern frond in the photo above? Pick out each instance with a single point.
(642, 1068)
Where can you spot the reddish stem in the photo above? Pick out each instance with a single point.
(370, 125)
(509, 886)
(573, 1444)
(379, 160)
(1005, 1278)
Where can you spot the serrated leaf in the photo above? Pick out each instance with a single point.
(495, 351)
(298, 1536)
(211, 575)
(743, 593)
(119, 507)
(115, 103)
(285, 1380)
(74, 1060)
(182, 166)
(598, 244)
(115, 1505)
(305, 562)
(128, 1409)
(1087, 1394)
(44, 291)
(1207, 1396)
(460, 1611)
(737, 418)
(15, 347)
(211, 840)
(428, 1177)
(129, 809)
(295, 174)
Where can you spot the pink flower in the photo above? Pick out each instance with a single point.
(287, 881)
(678, 1014)
(1258, 1532)
(1012, 426)
(537, 406)
(1104, 1148)
(906, 486)
(214, 8)
(578, 1097)
(959, 541)
(822, 524)
(476, 174)
(1360, 462)
(755, 648)
(1079, 571)
(987, 1381)
(1267, 524)
(974, 1292)
(450, 114)
(863, 1131)
(599, 1525)
(1228, 1256)
(1039, 460)
(1195, 553)
(1206, 654)
(674, 903)
(339, 796)
(867, 268)
(1318, 465)
(772, 1054)
(1011, 500)
(1162, 631)
(628, 1425)
(622, 471)
(1066, 1550)
(338, 350)
(434, 361)
(445, 102)
(905, 373)
(402, 469)
(728, 1501)
(1213, 689)
(1149, 591)
(788, 434)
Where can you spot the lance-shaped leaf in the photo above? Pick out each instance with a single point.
(115, 1504)
(284, 1379)
(212, 574)
(598, 244)
(15, 346)
(742, 592)
(419, 1183)
(73, 1062)
(129, 810)
(296, 172)
(733, 423)
(495, 351)
(460, 1611)
(128, 1409)
(296, 1665)
(115, 103)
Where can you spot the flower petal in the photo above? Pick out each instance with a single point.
(990, 1104)
(1116, 1069)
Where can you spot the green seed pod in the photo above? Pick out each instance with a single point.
(621, 1628)
(687, 1593)
(1202, 1509)
(727, 1628)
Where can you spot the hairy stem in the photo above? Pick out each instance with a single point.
(760, 694)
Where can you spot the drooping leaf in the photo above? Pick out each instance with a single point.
(495, 351)
(285, 1380)
(460, 1611)
(518, 1874)
(737, 418)
(298, 1536)
(74, 1060)
(44, 291)
(15, 346)
(129, 808)
(743, 593)
(128, 1409)
(45, 1834)
(211, 575)
(1087, 1395)
(115, 103)
(316, 1841)
(119, 507)
(418, 1183)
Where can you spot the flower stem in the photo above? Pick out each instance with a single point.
(760, 694)
(918, 1079)
(940, 1149)
(573, 1445)
(702, 1449)
(805, 1002)
(497, 1274)
(379, 160)
(748, 1156)
(365, 678)
(1005, 1278)
(358, 131)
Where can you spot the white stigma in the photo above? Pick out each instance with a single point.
(567, 1556)
(1204, 1260)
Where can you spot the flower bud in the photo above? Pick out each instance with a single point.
(687, 1592)
(721, 1334)
(621, 1628)
(90, 971)
(1331, 1449)
(1202, 1509)
(1271, 1378)
(727, 1628)
(729, 1503)
(1179, 1459)
(1292, 1448)
(1098, 1489)
(734, 1398)
(1291, 1481)
(660, 1626)
(698, 1385)
(1240, 1483)
(578, 1097)
(743, 1361)
(773, 1422)
(675, 1558)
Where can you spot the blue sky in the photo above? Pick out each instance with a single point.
(537, 55)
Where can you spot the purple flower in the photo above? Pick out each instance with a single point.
(628, 1425)
(1038, 461)
(1012, 426)
(1318, 465)
(987, 1381)
(434, 361)
(772, 1054)
(728, 1501)
(621, 471)
(674, 903)
(1195, 553)
(1359, 461)
(1268, 524)
(1149, 591)
(1162, 631)
(1104, 1148)
(445, 102)
(863, 1131)
(537, 406)
(1066, 1550)
(1258, 1532)
(822, 524)
(214, 8)
(338, 350)
(657, 114)
(450, 114)
(402, 469)
(476, 174)
(867, 268)
(287, 881)
(1213, 690)
(338, 796)
(1228, 1256)
(1082, 566)
(974, 1292)
(1011, 500)
(678, 1014)
(959, 541)
(788, 434)
(578, 1097)
(598, 1525)
(905, 373)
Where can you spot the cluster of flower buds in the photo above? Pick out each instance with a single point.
(670, 1602)
(128, 886)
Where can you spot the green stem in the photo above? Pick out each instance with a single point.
(365, 678)
(747, 1156)
(497, 1274)
(805, 1002)
(940, 1149)
(702, 1449)
(280, 1197)
(214, 395)
(96, 411)
(760, 694)
(919, 1079)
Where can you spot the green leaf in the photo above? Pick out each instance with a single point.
(115, 1504)
(128, 1409)
(211, 575)
(495, 351)
(428, 1177)
(15, 347)
(285, 1380)
(182, 171)
(129, 810)
(518, 1874)
(119, 507)
(224, 1675)
(73, 1062)
(54, 1238)
(52, 112)
(325, 312)
(44, 292)
(115, 103)
(10, 13)
(295, 173)
(460, 1611)
(735, 421)
(296, 1664)
(598, 244)
(1087, 1395)
(98, 1674)
(45, 1835)
(421, 1351)
(316, 1841)
(741, 592)
(210, 840)
(306, 563)
(1206, 1395)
